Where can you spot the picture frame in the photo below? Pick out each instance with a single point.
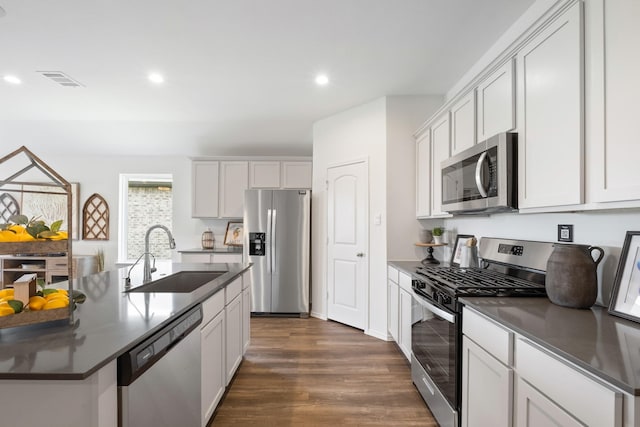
(455, 254)
(625, 296)
(234, 234)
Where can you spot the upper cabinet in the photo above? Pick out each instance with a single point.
(463, 123)
(423, 175)
(218, 185)
(440, 143)
(204, 186)
(296, 174)
(550, 114)
(234, 179)
(613, 93)
(496, 104)
(264, 174)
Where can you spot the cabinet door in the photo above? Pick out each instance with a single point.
(234, 179)
(533, 409)
(204, 189)
(439, 152)
(487, 388)
(405, 317)
(264, 174)
(613, 109)
(246, 319)
(496, 103)
(463, 123)
(392, 309)
(233, 320)
(296, 175)
(423, 175)
(550, 114)
(213, 366)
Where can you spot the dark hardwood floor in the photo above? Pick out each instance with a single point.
(309, 372)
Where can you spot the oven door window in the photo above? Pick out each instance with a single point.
(460, 183)
(433, 342)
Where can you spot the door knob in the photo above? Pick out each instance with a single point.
(360, 254)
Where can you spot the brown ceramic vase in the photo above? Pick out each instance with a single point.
(571, 279)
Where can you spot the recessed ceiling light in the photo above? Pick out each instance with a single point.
(12, 79)
(322, 80)
(156, 78)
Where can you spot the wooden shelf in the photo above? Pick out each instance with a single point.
(431, 245)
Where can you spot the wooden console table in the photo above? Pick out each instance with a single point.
(50, 268)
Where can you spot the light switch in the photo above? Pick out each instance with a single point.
(377, 219)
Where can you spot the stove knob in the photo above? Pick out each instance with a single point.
(445, 299)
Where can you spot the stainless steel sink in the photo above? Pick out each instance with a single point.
(181, 282)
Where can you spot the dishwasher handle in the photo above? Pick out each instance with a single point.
(137, 360)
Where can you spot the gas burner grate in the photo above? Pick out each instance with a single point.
(479, 281)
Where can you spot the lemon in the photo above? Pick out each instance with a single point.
(6, 292)
(36, 303)
(56, 303)
(5, 310)
(56, 295)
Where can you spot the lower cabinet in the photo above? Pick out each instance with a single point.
(497, 364)
(233, 315)
(405, 312)
(487, 387)
(246, 315)
(400, 309)
(213, 367)
(392, 312)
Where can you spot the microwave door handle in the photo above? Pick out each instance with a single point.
(479, 182)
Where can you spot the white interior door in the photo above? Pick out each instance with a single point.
(347, 257)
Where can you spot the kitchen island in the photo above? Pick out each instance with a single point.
(65, 374)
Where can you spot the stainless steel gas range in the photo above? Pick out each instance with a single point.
(507, 268)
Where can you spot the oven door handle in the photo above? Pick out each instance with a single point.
(479, 182)
(435, 310)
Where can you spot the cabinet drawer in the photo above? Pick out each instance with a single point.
(232, 290)
(405, 282)
(392, 274)
(212, 306)
(588, 400)
(492, 337)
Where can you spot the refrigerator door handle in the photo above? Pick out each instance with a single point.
(269, 239)
(274, 218)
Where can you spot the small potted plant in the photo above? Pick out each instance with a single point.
(437, 235)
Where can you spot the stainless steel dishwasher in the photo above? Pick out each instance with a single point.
(159, 380)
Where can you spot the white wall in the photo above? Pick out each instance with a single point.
(101, 175)
(605, 229)
(370, 131)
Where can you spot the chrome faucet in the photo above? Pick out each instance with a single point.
(147, 267)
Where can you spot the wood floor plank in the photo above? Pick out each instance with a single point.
(309, 372)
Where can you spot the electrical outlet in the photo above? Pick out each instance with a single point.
(565, 232)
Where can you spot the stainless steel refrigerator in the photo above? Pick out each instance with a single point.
(277, 230)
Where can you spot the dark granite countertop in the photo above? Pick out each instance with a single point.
(221, 250)
(105, 326)
(604, 345)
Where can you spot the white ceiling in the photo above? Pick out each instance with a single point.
(239, 73)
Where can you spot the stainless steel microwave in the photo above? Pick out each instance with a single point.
(483, 178)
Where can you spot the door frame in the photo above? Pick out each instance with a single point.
(365, 161)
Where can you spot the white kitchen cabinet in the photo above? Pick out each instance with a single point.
(246, 311)
(534, 409)
(550, 114)
(296, 174)
(423, 175)
(613, 108)
(487, 388)
(439, 152)
(495, 100)
(392, 309)
(234, 179)
(233, 320)
(463, 123)
(213, 366)
(264, 174)
(204, 189)
(405, 308)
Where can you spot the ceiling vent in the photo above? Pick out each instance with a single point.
(61, 78)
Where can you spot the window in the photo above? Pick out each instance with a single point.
(145, 200)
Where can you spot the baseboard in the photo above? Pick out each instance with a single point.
(318, 315)
(378, 334)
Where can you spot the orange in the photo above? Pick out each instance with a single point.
(36, 303)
